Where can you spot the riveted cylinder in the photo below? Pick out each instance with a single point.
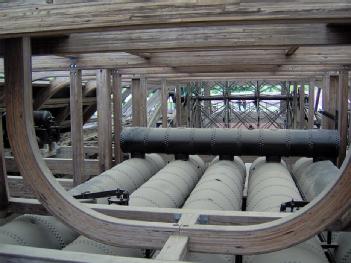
(37, 231)
(308, 143)
(220, 188)
(270, 185)
(170, 186)
(128, 175)
(313, 178)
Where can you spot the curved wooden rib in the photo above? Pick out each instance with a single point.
(266, 237)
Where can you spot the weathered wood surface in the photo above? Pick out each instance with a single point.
(263, 57)
(103, 90)
(76, 97)
(342, 108)
(173, 215)
(117, 115)
(12, 253)
(195, 38)
(164, 103)
(63, 18)
(311, 100)
(4, 191)
(19, 188)
(59, 166)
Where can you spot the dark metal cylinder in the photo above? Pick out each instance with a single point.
(308, 143)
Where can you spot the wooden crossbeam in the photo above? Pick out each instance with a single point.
(13, 253)
(95, 16)
(59, 165)
(265, 59)
(141, 42)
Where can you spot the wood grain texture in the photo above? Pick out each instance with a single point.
(107, 15)
(311, 100)
(164, 103)
(194, 38)
(59, 165)
(117, 115)
(13, 253)
(343, 90)
(76, 114)
(18, 187)
(103, 90)
(3, 175)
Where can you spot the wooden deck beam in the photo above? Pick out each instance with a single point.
(96, 17)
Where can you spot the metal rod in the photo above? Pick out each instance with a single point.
(308, 143)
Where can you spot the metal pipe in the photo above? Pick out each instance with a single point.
(270, 185)
(37, 231)
(220, 188)
(308, 143)
(174, 189)
(170, 186)
(313, 178)
(244, 97)
(128, 175)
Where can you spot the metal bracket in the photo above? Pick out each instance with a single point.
(292, 204)
(203, 219)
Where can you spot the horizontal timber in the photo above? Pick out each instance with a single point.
(108, 15)
(193, 38)
(166, 215)
(58, 166)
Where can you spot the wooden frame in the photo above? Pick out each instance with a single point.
(281, 233)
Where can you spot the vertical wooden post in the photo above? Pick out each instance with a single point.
(331, 83)
(139, 112)
(143, 101)
(117, 114)
(135, 101)
(164, 104)
(103, 95)
(178, 106)
(189, 105)
(311, 104)
(18, 78)
(294, 105)
(302, 106)
(207, 103)
(3, 174)
(342, 114)
(76, 112)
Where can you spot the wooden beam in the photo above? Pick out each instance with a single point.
(330, 89)
(17, 64)
(143, 101)
(19, 188)
(59, 166)
(141, 42)
(117, 114)
(139, 102)
(179, 105)
(262, 57)
(311, 104)
(302, 105)
(103, 81)
(95, 17)
(79, 175)
(3, 175)
(13, 253)
(343, 104)
(164, 103)
(176, 247)
(171, 215)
